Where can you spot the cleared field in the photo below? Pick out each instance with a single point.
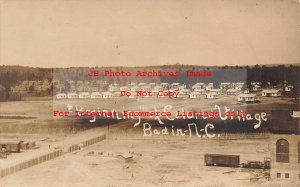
(168, 162)
(163, 161)
(39, 111)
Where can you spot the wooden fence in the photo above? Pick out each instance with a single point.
(87, 143)
(45, 157)
(29, 163)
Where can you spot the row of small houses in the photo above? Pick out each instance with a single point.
(251, 97)
(185, 93)
(173, 86)
(198, 87)
(107, 95)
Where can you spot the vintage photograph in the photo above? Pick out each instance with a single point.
(149, 93)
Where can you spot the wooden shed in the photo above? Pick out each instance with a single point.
(11, 146)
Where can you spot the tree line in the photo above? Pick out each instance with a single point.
(11, 76)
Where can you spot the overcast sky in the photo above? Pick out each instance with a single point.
(64, 33)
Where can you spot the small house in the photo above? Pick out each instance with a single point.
(209, 87)
(124, 88)
(195, 95)
(231, 92)
(181, 87)
(211, 96)
(175, 86)
(95, 95)
(72, 95)
(116, 94)
(225, 85)
(201, 91)
(198, 87)
(239, 84)
(271, 93)
(107, 95)
(255, 87)
(113, 88)
(184, 93)
(132, 84)
(84, 95)
(288, 88)
(246, 97)
(215, 91)
(246, 91)
(164, 85)
(200, 84)
(61, 96)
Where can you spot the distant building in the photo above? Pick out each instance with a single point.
(175, 86)
(271, 93)
(285, 157)
(225, 85)
(124, 88)
(184, 93)
(61, 96)
(215, 91)
(116, 94)
(240, 84)
(195, 95)
(256, 83)
(211, 96)
(201, 91)
(164, 85)
(95, 95)
(231, 92)
(285, 146)
(209, 87)
(255, 88)
(246, 91)
(72, 95)
(84, 95)
(238, 88)
(181, 87)
(198, 85)
(132, 84)
(113, 88)
(288, 88)
(107, 95)
(246, 97)
(198, 89)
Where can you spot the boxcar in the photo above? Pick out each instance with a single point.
(222, 160)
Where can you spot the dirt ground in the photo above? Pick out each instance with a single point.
(22, 111)
(156, 162)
